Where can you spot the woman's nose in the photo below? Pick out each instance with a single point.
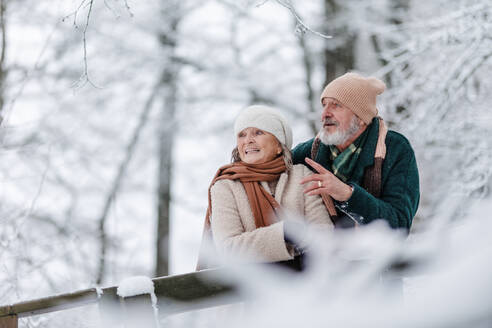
(249, 137)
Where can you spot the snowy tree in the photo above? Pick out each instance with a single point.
(115, 121)
(439, 66)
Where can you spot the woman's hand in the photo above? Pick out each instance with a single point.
(326, 182)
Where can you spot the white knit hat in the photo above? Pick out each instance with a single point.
(267, 119)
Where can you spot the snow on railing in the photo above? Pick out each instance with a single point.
(131, 302)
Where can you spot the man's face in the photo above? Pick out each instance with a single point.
(335, 116)
(340, 124)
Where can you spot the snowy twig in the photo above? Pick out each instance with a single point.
(85, 76)
(86, 65)
(301, 26)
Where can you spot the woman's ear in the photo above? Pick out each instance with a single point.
(279, 149)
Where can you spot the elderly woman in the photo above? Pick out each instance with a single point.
(247, 198)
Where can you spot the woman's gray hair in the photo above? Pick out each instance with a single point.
(286, 153)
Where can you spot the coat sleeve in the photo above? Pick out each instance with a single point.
(400, 194)
(315, 210)
(301, 151)
(262, 244)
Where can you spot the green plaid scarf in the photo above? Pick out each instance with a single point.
(343, 164)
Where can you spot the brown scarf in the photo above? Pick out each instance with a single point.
(263, 205)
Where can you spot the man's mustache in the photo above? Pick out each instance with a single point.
(329, 121)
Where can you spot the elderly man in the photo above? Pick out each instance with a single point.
(365, 172)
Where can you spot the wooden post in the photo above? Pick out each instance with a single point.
(139, 312)
(9, 321)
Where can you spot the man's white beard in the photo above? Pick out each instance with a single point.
(340, 137)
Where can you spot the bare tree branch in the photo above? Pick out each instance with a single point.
(301, 27)
(85, 78)
(115, 186)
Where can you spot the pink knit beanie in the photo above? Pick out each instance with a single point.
(357, 93)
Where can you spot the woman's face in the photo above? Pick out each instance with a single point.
(256, 146)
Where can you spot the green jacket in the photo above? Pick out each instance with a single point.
(400, 179)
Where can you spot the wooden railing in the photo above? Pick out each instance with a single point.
(175, 294)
